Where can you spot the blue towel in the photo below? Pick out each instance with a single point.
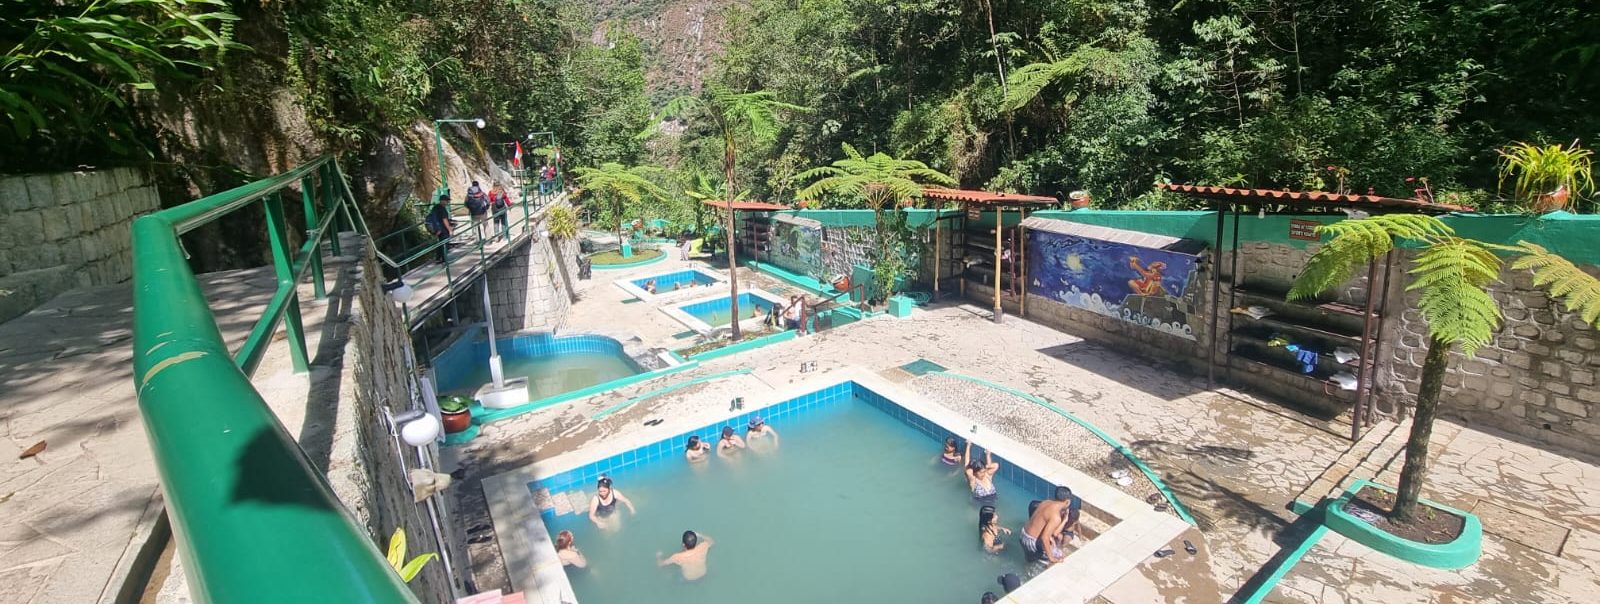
(1308, 360)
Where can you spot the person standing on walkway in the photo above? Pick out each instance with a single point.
(438, 224)
(500, 205)
(478, 207)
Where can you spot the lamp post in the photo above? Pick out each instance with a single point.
(438, 145)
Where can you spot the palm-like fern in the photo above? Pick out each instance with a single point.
(878, 179)
(1452, 273)
(1024, 84)
(622, 185)
(1357, 242)
(1579, 291)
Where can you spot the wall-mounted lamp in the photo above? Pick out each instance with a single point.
(399, 291)
(417, 427)
(480, 123)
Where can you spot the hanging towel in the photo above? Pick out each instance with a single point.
(1344, 379)
(1344, 355)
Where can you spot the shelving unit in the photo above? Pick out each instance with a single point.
(1320, 326)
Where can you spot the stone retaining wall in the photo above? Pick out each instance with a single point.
(66, 230)
(528, 290)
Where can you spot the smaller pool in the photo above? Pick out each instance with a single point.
(681, 280)
(553, 365)
(706, 314)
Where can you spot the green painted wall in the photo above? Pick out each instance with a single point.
(863, 218)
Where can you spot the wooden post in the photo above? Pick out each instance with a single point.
(962, 282)
(999, 222)
(1022, 256)
(938, 245)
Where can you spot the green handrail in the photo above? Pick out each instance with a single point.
(254, 520)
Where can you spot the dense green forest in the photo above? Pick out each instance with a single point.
(1108, 96)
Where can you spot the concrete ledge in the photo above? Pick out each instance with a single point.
(717, 353)
(1461, 553)
(661, 255)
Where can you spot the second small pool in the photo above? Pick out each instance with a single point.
(705, 314)
(553, 365)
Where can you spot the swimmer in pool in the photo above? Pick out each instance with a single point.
(730, 443)
(604, 503)
(989, 530)
(951, 455)
(759, 431)
(697, 449)
(568, 553)
(692, 560)
(650, 286)
(1041, 536)
(980, 475)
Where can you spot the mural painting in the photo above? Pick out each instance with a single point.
(1144, 286)
(797, 247)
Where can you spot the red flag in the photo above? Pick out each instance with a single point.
(516, 160)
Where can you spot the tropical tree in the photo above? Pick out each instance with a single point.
(731, 114)
(1451, 274)
(621, 186)
(1546, 176)
(880, 180)
(702, 189)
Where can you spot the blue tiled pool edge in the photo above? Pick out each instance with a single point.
(842, 392)
(481, 415)
(472, 349)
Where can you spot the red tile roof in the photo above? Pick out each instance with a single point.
(989, 198)
(746, 206)
(1322, 198)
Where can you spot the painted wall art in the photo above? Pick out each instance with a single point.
(1144, 286)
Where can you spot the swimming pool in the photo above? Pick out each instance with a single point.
(670, 282)
(709, 313)
(851, 507)
(553, 365)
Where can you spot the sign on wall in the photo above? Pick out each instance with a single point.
(1144, 286)
(1304, 230)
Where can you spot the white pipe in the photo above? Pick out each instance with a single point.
(495, 371)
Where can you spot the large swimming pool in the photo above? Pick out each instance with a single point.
(706, 314)
(553, 365)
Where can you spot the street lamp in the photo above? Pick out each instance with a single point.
(438, 144)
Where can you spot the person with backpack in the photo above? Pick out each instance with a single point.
(438, 223)
(500, 205)
(478, 207)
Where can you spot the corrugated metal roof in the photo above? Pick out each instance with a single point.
(989, 198)
(1320, 198)
(746, 206)
(1135, 238)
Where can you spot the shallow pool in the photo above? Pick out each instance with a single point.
(717, 312)
(552, 365)
(852, 507)
(676, 280)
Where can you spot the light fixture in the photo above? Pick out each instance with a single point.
(417, 427)
(399, 291)
(480, 123)
(544, 233)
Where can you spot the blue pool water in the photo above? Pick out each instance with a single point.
(552, 365)
(716, 312)
(852, 506)
(680, 279)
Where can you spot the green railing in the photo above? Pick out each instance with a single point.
(254, 520)
(420, 262)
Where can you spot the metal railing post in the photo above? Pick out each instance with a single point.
(329, 194)
(283, 265)
(307, 199)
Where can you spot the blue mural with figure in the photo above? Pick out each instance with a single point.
(1144, 286)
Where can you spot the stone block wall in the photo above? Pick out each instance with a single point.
(845, 247)
(368, 465)
(1537, 379)
(528, 291)
(66, 230)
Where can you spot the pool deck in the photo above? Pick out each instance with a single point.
(1236, 461)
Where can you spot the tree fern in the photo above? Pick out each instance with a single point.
(1355, 243)
(1452, 274)
(1577, 290)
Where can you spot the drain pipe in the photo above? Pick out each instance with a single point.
(495, 369)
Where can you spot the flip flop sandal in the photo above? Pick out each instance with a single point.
(1162, 507)
(1153, 498)
(1164, 553)
(1189, 547)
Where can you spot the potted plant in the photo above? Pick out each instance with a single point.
(456, 413)
(1547, 177)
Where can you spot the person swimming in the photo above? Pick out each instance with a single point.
(650, 286)
(980, 475)
(989, 530)
(604, 502)
(730, 443)
(950, 456)
(692, 560)
(1041, 536)
(568, 553)
(696, 449)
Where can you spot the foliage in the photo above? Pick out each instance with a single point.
(879, 180)
(72, 68)
(1566, 282)
(397, 557)
(615, 257)
(454, 403)
(1543, 172)
(625, 187)
(563, 222)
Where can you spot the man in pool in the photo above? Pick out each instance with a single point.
(730, 443)
(759, 431)
(692, 560)
(697, 449)
(1041, 536)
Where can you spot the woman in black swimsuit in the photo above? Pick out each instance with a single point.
(604, 504)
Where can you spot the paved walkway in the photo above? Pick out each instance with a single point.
(74, 518)
(435, 282)
(1235, 461)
